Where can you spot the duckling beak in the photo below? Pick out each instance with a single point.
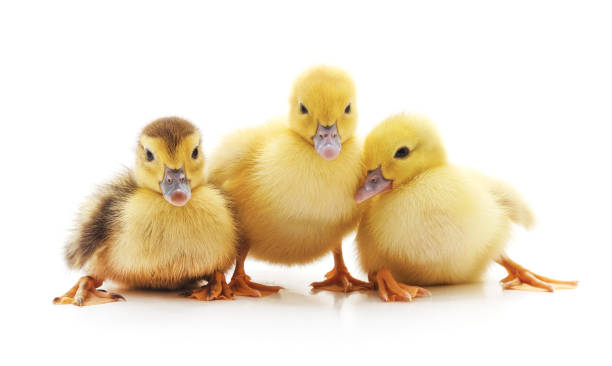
(175, 186)
(374, 184)
(327, 141)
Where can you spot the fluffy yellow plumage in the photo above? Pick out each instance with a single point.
(428, 222)
(292, 180)
(158, 226)
(163, 246)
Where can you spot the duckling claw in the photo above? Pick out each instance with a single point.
(242, 285)
(520, 278)
(85, 293)
(390, 290)
(216, 289)
(339, 279)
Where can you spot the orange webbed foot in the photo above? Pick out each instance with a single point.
(242, 285)
(520, 278)
(340, 280)
(86, 293)
(390, 290)
(216, 289)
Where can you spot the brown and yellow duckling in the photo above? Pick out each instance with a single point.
(158, 226)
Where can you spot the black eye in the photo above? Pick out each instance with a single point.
(150, 156)
(303, 109)
(402, 152)
(194, 154)
(347, 110)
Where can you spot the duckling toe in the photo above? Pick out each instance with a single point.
(341, 281)
(84, 293)
(520, 278)
(389, 290)
(216, 289)
(242, 285)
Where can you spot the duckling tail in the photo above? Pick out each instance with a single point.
(516, 206)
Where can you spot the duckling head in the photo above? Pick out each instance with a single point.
(323, 110)
(397, 150)
(169, 159)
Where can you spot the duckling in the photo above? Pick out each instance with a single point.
(292, 181)
(158, 226)
(427, 222)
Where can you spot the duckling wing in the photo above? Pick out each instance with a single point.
(98, 219)
(237, 150)
(509, 198)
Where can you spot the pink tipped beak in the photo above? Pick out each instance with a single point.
(175, 186)
(374, 184)
(327, 142)
(178, 198)
(329, 152)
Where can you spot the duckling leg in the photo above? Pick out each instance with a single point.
(85, 293)
(390, 290)
(216, 289)
(520, 278)
(241, 283)
(339, 279)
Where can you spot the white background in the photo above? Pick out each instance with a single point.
(520, 90)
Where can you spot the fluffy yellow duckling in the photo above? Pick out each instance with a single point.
(428, 222)
(292, 181)
(158, 226)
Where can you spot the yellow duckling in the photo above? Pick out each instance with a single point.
(428, 222)
(158, 226)
(292, 181)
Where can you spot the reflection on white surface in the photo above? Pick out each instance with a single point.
(480, 317)
(478, 321)
(297, 326)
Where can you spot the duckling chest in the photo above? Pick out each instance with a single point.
(293, 183)
(158, 239)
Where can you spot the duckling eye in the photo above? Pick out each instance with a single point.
(402, 152)
(150, 156)
(194, 154)
(347, 110)
(303, 109)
